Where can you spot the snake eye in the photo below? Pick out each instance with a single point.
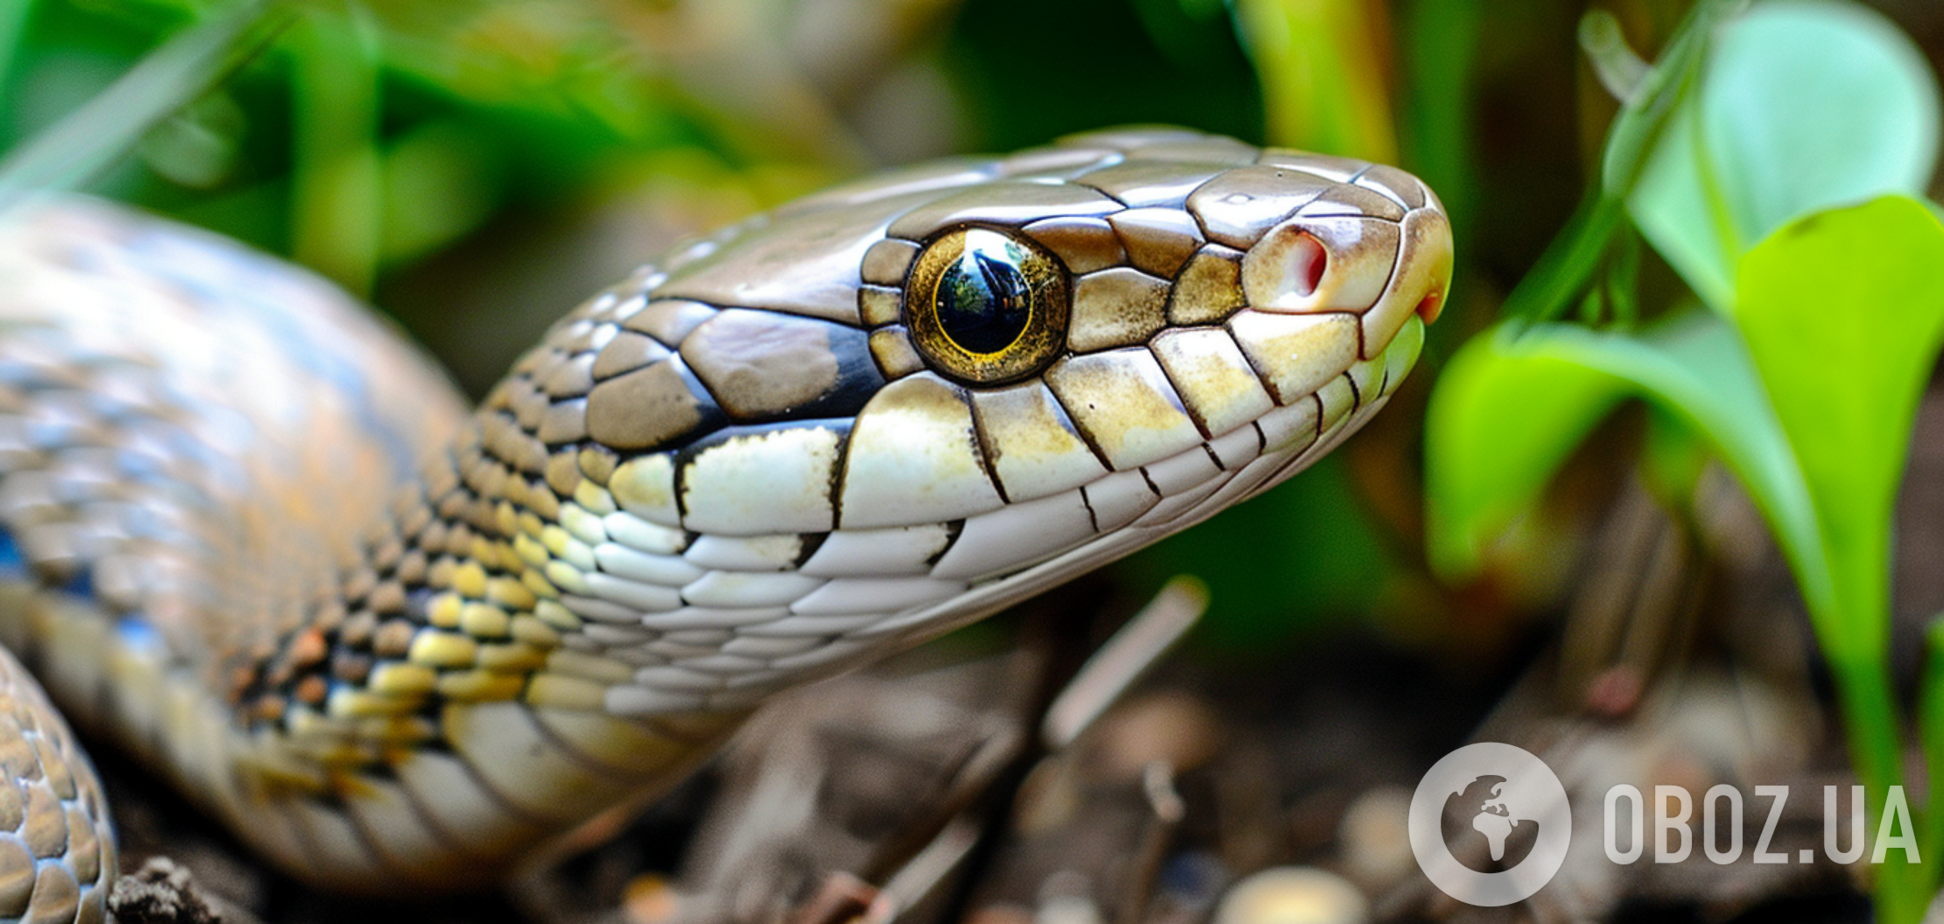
(985, 306)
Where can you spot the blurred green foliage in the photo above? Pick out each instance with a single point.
(1805, 379)
(1035, 70)
(1805, 106)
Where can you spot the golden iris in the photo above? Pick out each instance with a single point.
(986, 306)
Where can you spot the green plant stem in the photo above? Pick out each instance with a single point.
(1576, 254)
(1871, 724)
(1569, 263)
(1930, 726)
(1658, 95)
(1853, 627)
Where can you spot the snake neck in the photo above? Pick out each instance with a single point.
(473, 586)
(256, 539)
(441, 702)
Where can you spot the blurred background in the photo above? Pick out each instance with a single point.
(474, 168)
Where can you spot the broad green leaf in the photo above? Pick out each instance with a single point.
(1803, 105)
(1508, 411)
(1843, 313)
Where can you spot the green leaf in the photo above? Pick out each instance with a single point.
(1804, 104)
(1843, 313)
(1505, 413)
(1508, 411)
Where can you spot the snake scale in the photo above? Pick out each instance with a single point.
(255, 538)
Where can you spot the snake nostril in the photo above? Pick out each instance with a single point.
(1307, 261)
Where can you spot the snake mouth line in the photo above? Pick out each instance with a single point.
(1430, 306)
(1247, 462)
(1012, 548)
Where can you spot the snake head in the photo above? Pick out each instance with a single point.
(892, 407)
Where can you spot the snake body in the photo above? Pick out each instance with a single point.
(394, 645)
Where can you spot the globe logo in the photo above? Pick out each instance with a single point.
(1490, 824)
(1476, 815)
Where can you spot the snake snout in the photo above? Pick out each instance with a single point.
(1384, 270)
(1358, 239)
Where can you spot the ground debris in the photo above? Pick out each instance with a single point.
(163, 893)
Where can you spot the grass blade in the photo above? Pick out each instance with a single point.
(90, 139)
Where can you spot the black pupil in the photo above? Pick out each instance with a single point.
(983, 299)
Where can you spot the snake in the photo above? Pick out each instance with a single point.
(252, 536)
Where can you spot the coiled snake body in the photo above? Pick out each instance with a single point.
(829, 432)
